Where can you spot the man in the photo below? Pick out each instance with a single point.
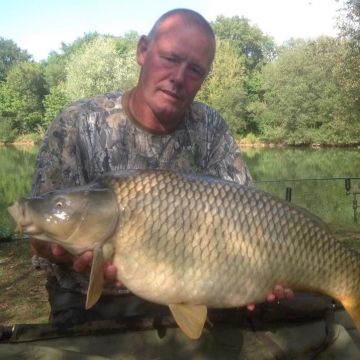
(156, 125)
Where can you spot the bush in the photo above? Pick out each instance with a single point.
(7, 132)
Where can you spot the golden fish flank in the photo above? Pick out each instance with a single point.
(192, 242)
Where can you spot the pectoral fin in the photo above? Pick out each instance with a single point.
(96, 282)
(190, 318)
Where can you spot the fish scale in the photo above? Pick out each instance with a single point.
(194, 241)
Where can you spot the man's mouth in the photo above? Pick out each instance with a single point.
(172, 94)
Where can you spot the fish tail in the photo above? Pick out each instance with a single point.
(352, 306)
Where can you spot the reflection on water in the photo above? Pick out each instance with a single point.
(295, 163)
(322, 188)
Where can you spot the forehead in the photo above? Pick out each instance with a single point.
(185, 38)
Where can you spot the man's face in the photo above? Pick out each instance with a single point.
(174, 65)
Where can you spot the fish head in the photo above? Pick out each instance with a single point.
(78, 219)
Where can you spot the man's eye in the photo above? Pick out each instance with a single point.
(196, 72)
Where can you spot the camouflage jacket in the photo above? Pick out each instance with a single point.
(99, 134)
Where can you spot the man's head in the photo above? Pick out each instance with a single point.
(175, 57)
(188, 17)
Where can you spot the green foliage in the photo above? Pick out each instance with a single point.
(53, 70)
(349, 22)
(21, 96)
(10, 101)
(253, 49)
(70, 49)
(7, 132)
(305, 91)
(97, 68)
(54, 102)
(303, 103)
(248, 40)
(349, 64)
(10, 55)
(127, 43)
(223, 88)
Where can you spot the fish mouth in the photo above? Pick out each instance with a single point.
(23, 225)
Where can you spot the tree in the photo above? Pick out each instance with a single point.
(21, 96)
(248, 40)
(349, 23)
(54, 102)
(255, 50)
(349, 71)
(69, 49)
(10, 55)
(54, 70)
(127, 43)
(97, 68)
(223, 89)
(303, 102)
(92, 64)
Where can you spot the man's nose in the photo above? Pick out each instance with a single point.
(178, 74)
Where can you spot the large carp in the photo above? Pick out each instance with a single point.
(192, 241)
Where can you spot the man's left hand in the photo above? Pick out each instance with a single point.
(277, 293)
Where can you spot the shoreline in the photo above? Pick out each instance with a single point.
(243, 143)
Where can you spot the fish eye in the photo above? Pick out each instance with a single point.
(59, 202)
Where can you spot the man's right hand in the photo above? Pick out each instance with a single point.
(52, 252)
(81, 263)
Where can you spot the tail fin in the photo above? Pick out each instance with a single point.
(353, 309)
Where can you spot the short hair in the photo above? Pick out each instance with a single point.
(189, 17)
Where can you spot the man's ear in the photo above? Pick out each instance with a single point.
(142, 48)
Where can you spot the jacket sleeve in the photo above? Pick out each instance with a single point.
(58, 164)
(224, 156)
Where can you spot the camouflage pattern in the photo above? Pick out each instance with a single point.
(99, 134)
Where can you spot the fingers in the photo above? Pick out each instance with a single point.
(289, 294)
(41, 248)
(52, 252)
(81, 264)
(83, 261)
(279, 293)
(110, 274)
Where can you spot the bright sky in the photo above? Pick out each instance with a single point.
(39, 26)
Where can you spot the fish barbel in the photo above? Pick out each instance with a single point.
(193, 242)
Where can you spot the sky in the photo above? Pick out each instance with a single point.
(40, 26)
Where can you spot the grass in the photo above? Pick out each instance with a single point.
(23, 298)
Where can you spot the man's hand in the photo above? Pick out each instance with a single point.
(277, 293)
(81, 263)
(52, 252)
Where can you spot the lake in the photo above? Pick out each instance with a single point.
(316, 178)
